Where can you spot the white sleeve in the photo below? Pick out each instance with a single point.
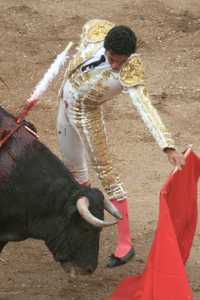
(150, 116)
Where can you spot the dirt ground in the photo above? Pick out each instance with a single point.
(32, 33)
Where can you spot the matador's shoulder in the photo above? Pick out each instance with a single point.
(132, 71)
(94, 31)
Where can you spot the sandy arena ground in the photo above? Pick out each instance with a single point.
(32, 33)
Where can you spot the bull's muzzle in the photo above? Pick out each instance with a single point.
(73, 271)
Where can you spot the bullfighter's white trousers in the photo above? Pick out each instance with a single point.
(71, 146)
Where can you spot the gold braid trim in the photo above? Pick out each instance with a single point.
(132, 71)
(90, 123)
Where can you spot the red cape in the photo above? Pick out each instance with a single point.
(164, 277)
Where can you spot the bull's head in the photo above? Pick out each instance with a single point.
(77, 246)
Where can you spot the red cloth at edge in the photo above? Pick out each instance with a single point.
(164, 277)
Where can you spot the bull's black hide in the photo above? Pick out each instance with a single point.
(38, 198)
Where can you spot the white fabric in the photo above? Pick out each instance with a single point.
(71, 146)
(96, 57)
(51, 73)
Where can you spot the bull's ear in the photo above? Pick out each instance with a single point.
(96, 202)
(96, 198)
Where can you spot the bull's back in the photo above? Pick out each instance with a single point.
(31, 176)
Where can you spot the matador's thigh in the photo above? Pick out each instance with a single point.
(71, 145)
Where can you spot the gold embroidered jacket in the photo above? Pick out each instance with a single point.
(86, 91)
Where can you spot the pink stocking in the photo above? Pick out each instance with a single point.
(124, 243)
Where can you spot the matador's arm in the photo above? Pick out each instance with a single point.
(132, 79)
(150, 116)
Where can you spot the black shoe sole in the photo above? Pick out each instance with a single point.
(118, 261)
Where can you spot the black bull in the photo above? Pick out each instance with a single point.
(38, 199)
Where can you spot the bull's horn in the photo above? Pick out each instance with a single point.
(82, 206)
(112, 209)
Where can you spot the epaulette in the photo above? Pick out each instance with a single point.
(94, 31)
(132, 71)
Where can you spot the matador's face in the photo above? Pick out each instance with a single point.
(116, 60)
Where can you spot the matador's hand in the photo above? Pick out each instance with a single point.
(175, 158)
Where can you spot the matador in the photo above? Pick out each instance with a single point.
(105, 64)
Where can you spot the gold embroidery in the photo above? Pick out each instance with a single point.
(74, 63)
(132, 72)
(96, 30)
(145, 92)
(106, 74)
(78, 59)
(91, 127)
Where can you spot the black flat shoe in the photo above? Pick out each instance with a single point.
(118, 261)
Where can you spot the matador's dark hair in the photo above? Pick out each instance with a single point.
(121, 40)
